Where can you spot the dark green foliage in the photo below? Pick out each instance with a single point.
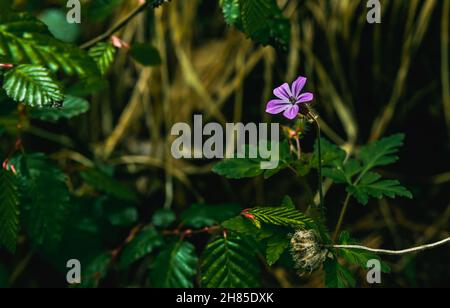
(24, 39)
(146, 54)
(204, 215)
(175, 266)
(239, 168)
(71, 107)
(104, 182)
(357, 174)
(163, 218)
(229, 262)
(337, 276)
(95, 271)
(44, 199)
(9, 210)
(143, 244)
(261, 20)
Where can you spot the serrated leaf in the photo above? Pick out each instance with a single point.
(9, 210)
(382, 152)
(205, 215)
(371, 186)
(32, 85)
(45, 199)
(231, 11)
(229, 262)
(280, 216)
(341, 173)
(254, 14)
(103, 54)
(175, 266)
(24, 39)
(337, 276)
(143, 244)
(71, 107)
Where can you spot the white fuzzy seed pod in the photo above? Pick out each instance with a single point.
(307, 250)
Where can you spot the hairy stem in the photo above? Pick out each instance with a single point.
(319, 155)
(394, 252)
(341, 217)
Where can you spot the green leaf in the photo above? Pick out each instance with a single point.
(382, 152)
(231, 11)
(9, 210)
(143, 244)
(45, 199)
(146, 54)
(337, 276)
(276, 245)
(371, 186)
(280, 216)
(206, 215)
(229, 262)
(56, 20)
(238, 168)
(287, 202)
(102, 181)
(175, 266)
(358, 257)
(32, 85)
(240, 225)
(71, 107)
(163, 217)
(254, 14)
(26, 40)
(341, 173)
(95, 271)
(103, 54)
(331, 154)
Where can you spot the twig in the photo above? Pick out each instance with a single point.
(394, 252)
(341, 217)
(319, 156)
(116, 27)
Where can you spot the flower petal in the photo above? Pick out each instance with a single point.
(305, 97)
(291, 112)
(298, 86)
(283, 92)
(276, 106)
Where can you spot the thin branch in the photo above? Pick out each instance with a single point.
(116, 27)
(394, 252)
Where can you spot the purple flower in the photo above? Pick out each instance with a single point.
(289, 99)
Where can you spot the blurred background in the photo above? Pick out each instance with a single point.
(370, 80)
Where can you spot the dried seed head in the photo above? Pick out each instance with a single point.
(307, 250)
